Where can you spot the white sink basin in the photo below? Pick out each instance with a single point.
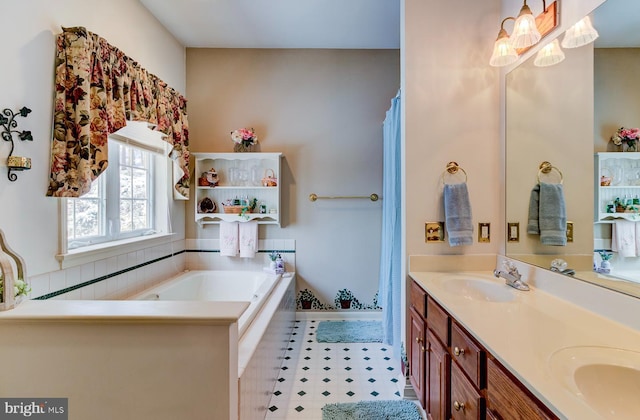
(606, 378)
(478, 289)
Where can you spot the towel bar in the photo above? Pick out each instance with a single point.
(372, 197)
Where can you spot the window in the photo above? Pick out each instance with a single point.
(124, 202)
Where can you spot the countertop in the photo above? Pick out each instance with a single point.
(197, 312)
(524, 333)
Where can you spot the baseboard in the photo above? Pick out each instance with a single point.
(346, 315)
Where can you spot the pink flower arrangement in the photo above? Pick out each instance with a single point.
(626, 135)
(244, 136)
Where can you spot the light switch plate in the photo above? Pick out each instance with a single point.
(569, 231)
(513, 232)
(484, 232)
(434, 232)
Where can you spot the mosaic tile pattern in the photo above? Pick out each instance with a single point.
(314, 374)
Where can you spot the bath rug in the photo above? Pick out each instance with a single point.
(349, 332)
(368, 410)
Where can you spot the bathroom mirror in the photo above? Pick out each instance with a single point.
(552, 115)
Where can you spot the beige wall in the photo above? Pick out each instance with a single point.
(616, 93)
(550, 118)
(451, 111)
(324, 110)
(29, 219)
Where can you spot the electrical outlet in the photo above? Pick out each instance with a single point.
(569, 231)
(484, 232)
(513, 232)
(434, 232)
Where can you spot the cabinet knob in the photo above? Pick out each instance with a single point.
(458, 406)
(418, 340)
(458, 351)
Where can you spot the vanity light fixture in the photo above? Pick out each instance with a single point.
(8, 124)
(525, 31)
(582, 33)
(503, 51)
(549, 55)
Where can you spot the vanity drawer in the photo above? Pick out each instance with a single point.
(438, 321)
(469, 356)
(466, 402)
(418, 298)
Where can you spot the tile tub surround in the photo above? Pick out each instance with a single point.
(524, 333)
(240, 388)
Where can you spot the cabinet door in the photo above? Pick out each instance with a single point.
(417, 352)
(508, 399)
(438, 377)
(466, 402)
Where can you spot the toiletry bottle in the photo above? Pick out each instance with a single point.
(279, 265)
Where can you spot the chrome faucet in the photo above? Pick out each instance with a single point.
(511, 276)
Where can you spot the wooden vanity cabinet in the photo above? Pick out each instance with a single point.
(417, 355)
(509, 399)
(454, 376)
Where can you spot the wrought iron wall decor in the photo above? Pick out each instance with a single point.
(9, 123)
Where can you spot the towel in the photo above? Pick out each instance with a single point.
(623, 238)
(248, 239)
(229, 239)
(457, 213)
(548, 214)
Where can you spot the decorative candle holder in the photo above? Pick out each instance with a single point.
(8, 124)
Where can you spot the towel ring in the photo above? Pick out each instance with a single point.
(453, 168)
(546, 167)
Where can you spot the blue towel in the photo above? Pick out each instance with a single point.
(548, 214)
(457, 213)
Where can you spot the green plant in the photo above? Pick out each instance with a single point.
(249, 208)
(20, 288)
(606, 256)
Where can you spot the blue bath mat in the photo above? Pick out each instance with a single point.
(349, 332)
(368, 410)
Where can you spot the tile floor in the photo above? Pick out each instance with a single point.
(314, 374)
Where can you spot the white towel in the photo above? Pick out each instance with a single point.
(623, 238)
(248, 239)
(229, 239)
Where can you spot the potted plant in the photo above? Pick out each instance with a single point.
(344, 299)
(605, 256)
(244, 139)
(305, 298)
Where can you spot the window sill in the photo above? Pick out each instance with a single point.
(93, 253)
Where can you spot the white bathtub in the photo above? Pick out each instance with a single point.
(218, 286)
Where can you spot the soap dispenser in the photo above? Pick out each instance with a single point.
(279, 265)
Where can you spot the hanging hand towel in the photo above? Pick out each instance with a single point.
(229, 239)
(623, 238)
(533, 227)
(548, 214)
(457, 212)
(552, 215)
(248, 239)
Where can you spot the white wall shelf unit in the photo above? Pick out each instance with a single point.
(623, 171)
(239, 177)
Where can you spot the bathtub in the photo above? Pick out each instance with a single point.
(218, 286)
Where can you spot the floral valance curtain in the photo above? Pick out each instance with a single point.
(98, 88)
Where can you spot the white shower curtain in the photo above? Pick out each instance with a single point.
(390, 282)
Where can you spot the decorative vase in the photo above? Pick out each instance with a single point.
(605, 264)
(630, 146)
(241, 147)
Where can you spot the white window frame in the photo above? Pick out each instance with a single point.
(140, 136)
